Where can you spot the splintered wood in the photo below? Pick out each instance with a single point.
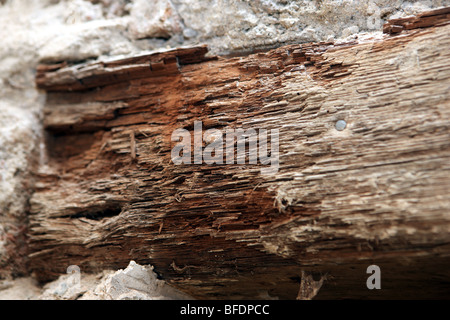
(376, 192)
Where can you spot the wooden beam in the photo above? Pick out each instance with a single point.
(376, 191)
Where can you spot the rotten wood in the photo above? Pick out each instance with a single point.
(424, 20)
(376, 192)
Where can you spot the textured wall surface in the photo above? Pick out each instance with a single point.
(77, 30)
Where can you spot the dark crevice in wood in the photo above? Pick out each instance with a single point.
(96, 213)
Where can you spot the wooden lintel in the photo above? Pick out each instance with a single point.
(373, 189)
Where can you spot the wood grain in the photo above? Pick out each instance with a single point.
(375, 193)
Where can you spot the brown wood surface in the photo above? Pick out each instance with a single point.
(374, 193)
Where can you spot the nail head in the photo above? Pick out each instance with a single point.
(340, 125)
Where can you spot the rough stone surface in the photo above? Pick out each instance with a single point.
(135, 282)
(19, 289)
(49, 30)
(154, 19)
(233, 25)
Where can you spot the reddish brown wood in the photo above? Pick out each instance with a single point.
(376, 192)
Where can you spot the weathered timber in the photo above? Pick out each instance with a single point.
(423, 20)
(376, 192)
